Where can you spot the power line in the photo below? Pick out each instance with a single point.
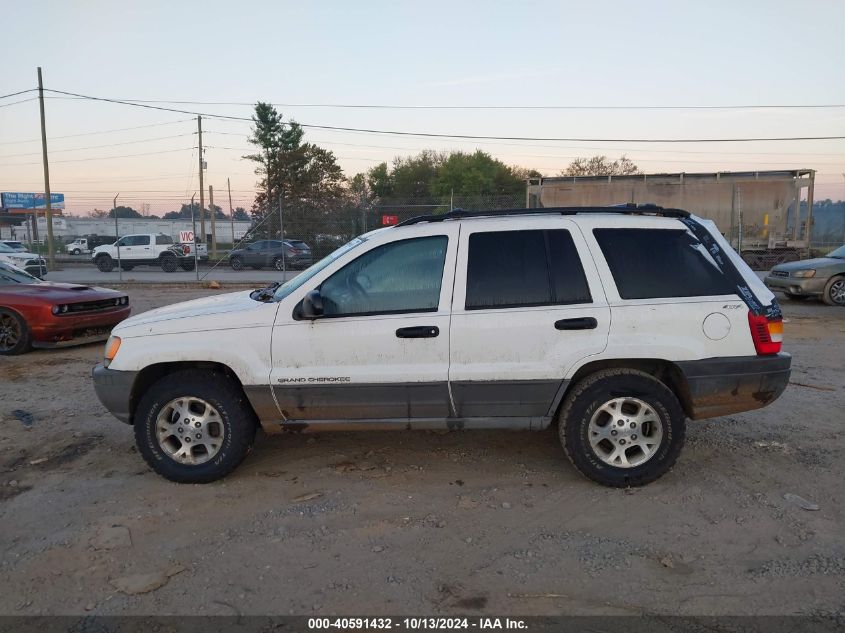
(77, 149)
(122, 129)
(6, 105)
(579, 147)
(19, 92)
(381, 106)
(80, 160)
(471, 136)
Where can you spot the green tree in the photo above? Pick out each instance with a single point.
(124, 212)
(241, 215)
(601, 166)
(475, 174)
(303, 177)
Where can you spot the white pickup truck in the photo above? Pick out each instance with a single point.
(147, 249)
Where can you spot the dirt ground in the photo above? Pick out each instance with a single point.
(419, 522)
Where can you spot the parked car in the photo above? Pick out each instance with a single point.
(263, 253)
(144, 249)
(30, 262)
(86, 244)
(14, 245)
(465, 321)
(35, 313)
(822, 278)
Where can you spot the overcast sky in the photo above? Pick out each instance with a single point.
(424, 53)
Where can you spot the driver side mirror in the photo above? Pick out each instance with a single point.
(312, 305)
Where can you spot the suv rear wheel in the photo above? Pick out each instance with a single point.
(194, 426)
(622, 427)
(168, 262)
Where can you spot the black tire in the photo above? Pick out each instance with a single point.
(15, 336)
(76, 251)
(186, 264)
(793, 297)
(833, 291)
(278, 263)
(236, 263)
(168, 263)
(583, 403)
(105, 264)
(236, 415)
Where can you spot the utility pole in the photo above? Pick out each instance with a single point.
(117, 235)
(51, 259)
(213, 222)
(194, 230)
(202, 187)
(231, 211)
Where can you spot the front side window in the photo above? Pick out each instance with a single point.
(510, 269)
(403, 276)
(660, 263)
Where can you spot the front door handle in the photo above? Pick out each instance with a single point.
(420, 331)
(581, 323)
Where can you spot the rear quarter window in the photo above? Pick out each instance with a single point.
(660, 263)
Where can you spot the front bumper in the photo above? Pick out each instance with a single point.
(76, 329)
(114, 390)
(722, 386)
(796, 285)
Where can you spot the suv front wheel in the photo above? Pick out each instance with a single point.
(194, 426)
(622, 427)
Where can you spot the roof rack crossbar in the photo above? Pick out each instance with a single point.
(625, 209)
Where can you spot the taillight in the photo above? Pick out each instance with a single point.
(766, 333)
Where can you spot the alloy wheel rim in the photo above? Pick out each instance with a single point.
(190, 430)
(837, 291)
(10, 332)
(625, 432)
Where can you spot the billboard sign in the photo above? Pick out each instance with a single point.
(30, 201)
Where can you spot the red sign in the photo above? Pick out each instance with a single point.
(389, 220)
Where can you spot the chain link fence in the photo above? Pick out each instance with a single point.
(325, 229)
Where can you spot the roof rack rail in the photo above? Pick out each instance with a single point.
(626, 209)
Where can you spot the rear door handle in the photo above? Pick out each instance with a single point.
(581, 323)
(420, 331)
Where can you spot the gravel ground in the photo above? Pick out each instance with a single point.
(470, 522)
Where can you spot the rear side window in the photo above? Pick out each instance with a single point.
(509, 269)
(660, 263)
(163, 239)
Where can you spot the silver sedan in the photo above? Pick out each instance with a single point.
(823, 277)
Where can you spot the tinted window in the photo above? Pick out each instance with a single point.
(659, 263)
(403, 276)
(508, 269)
(136, 240)
(164, 239)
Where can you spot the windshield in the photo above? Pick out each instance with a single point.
(6, 249)
(289, 286)
(838, 253)
(10, 275)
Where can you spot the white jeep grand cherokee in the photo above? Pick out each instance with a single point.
(617, 323)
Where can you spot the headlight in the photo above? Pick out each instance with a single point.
(809, 272)
(55, 309)
(59, 309)
(112, 345)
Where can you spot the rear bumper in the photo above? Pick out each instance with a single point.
(114, 390)
(722, 386)
(796, 285)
